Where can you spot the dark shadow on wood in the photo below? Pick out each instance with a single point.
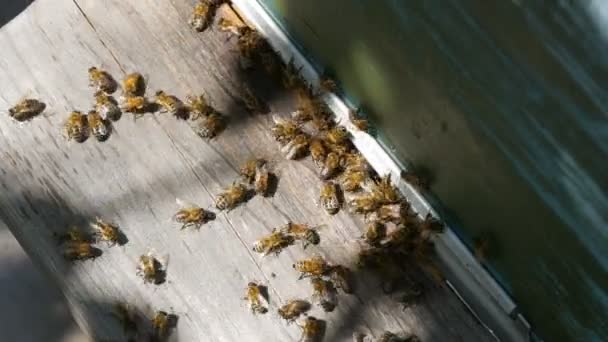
(11, 8)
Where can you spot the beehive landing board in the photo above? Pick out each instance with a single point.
(133, 178)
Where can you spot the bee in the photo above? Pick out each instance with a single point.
(342, 277)
(384, 192)
(99, 128)
(126, 316)
(388, 336)
(363, 203)
(329, 198)
(355, 162)
(257, 302)
(135, 104)
(162, 322)
(73, 234)
(170, 104)
(312, 329)
(296, 148)
(133, 85)
(375, 232)
(291, 75)
(202, 15)
(300, 117)
(302, 232)
(273, 243)
(101, 80)
(105, 231)
(231, 197)
(396, 213)
(228, 25)
(150, 269)
(327, 85)
(431, 225)
(331, 166)
(284, 130)
(313, 267)
(80, 250)
(210, 126)
(337, 135)
(252, 103)
(198, 106)
(106, 106)
(357, 121)
(352, 180)
(250, 42)
(293, 309)
(76, 127)
(324, 294)
(317, 152)
(262, 180)
(190, 215)
(26, 109)
(249, 168)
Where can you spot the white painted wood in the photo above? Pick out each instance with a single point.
(133, 178)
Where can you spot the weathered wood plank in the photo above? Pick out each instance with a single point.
(134, 177)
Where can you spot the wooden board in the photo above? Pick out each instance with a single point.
(133, 179)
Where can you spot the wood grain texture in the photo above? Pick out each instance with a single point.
(133, 179)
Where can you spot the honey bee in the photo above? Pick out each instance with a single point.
(133, 85)
(317, 152)
(357, 121)
(162, 323)
(26, 109)
(291, 75)
(293, 309)
(257, 302)
(300, 116)
(352, 180)
(106, 106)
(374, 233)
(98, 126)
(388, 336)
(284, 130)
(101, 80)
(210, 126)
(342, 277)
(312, 329)
(337, 135)
(135, 104)
(273, 243)
(73, 234)
(327, 85)
(198, 106)
(80, 250)
(126, 316)
(324, 294)
(302, 232)
(313, 267)
(431, 224)
(76, 127)
(384, 192)
(249, 168)
(190, 215)
(363, 203)
(252, 103)
(296, 148)
(231, 197)
(202, 15)
(262, 180)
(396, 213)
(355, 161)
(150, 269)
(228, 25)
(170, 104)
(329, 198)
(331, 166)
(250, 42)
(106, 232)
